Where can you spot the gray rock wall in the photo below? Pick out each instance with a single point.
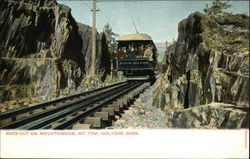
(44, 52)
(214, 115)
(196, 73)
(209, 63)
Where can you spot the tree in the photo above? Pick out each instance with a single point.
(105, 65)
(110, 36)
(217, 8)
(111, 42)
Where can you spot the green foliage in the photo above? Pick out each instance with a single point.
(110, 37)
(239, 20)
(228, 34)
(225, 32)
(217, 8)
(105, 66)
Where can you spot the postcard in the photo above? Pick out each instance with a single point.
(124, 79)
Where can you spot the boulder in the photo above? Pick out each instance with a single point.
(213, 115)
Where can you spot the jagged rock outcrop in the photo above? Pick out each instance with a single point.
(208, 63)
(38, 30)
(103, 55)
(44, 52)
(213, 115)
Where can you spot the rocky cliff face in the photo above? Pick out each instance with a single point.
(42, 29)
(208, 63)
(44, 52)
(103, 56)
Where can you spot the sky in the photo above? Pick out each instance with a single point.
(159, 18)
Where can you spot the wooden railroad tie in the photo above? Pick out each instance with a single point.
(96, 122)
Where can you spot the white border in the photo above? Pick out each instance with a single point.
(173, 143)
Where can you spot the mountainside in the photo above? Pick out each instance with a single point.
(161, 47)
(209, 64)
(44, 52)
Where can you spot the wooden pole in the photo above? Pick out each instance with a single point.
(93, 39)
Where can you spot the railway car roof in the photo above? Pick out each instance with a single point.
(135, 37)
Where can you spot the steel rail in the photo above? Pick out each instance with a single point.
(75, 108)
(81, 115)
(52, 119)
(42, 116)
(13, 113)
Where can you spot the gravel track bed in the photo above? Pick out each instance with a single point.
(142, 115)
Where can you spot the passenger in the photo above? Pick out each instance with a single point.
(129, 51)
(132, 53)
(136, 52)
(148, 53)
(120, 54)
(141, 51)
(124, 52)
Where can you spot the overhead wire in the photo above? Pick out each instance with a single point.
(110, 22)
(138, 22)
(102, 19)
(134, 18)
(87, 5)
(102, 13)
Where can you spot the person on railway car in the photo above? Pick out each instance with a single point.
(129, 51)
(148, 53)
(141, 51)
(124, 52)
(136, 53)
(132, 52)
(120, 53)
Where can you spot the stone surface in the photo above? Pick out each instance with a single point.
(142, 115)
(214, 115)
(208, 63)
(204, 82)
(204, 66)
(45, 53)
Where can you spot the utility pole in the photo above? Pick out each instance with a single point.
(92, 71)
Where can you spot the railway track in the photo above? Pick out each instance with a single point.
(91, 109)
